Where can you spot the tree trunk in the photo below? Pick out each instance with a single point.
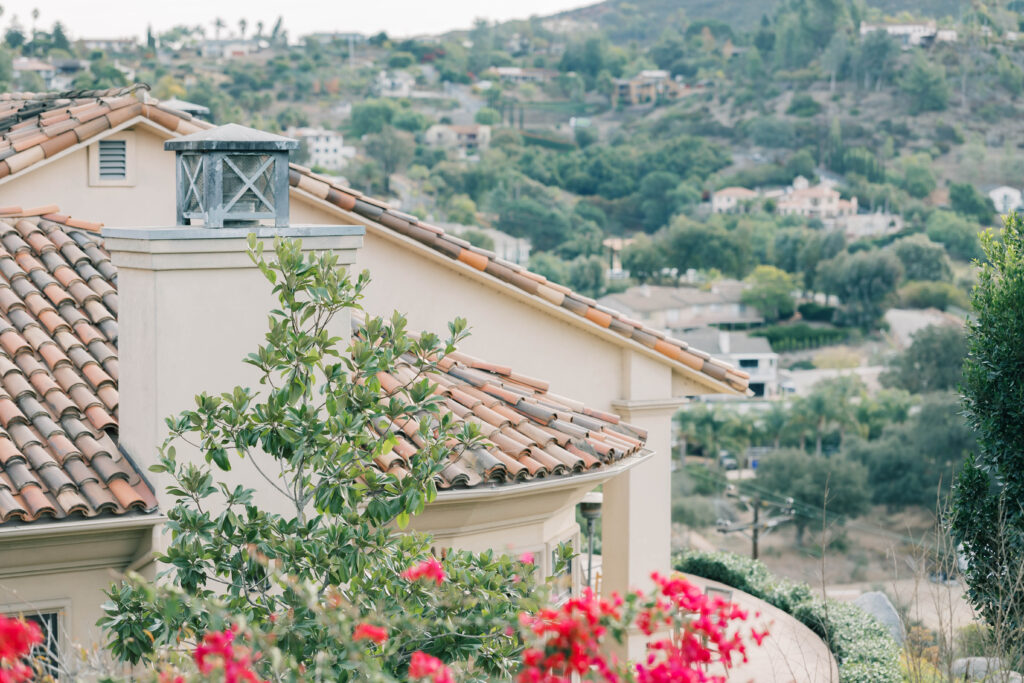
(799, 535)
(817, 437)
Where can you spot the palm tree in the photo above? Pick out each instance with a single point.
(259, 29)
(801, 421)
(242, 26)
(218, 25)
(774, 422)
(35, 18)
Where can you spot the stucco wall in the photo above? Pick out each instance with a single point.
(64, 181)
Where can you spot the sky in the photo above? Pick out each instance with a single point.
(113, 18)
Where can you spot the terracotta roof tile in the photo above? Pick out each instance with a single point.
(58, 396)
(511, 412)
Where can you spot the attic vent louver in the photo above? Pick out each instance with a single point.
(113, 162)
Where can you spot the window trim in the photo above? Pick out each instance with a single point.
(95, 180)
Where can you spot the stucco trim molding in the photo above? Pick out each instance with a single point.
(36, 548)
(630, 407)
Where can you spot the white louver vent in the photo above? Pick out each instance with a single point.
(113, 161)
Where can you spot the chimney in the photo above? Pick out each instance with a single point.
(192, 303)
(723, 341)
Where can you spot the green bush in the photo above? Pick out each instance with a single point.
(693, 511)
(862, 646)
(800, 336)
(812, 310)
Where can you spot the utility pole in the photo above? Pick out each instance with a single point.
(755, 530)
(784, 513)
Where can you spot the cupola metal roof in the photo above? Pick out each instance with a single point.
(232, 137)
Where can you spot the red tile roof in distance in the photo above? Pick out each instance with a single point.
(35, 126)
(58, 374)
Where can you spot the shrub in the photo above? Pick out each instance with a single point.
(693, 512)
(816, 312)
(941, 295)
(800, 336)
(862, 646)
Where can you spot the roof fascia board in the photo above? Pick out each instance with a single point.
(588, 480)
(515, 292)
(136, 120)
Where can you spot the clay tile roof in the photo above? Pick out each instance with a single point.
(37, 126)
(458, 250)
(58, 400)
(529, 433)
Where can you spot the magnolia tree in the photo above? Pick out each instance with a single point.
(333, 589)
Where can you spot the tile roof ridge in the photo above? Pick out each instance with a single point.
(437, 239)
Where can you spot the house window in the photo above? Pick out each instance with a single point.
(112, 161)
(748, 362)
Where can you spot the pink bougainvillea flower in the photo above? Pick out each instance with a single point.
(377, 634)
(430, 668)
(429, 569)
(527, 558)
(218, 648)
(17, 637)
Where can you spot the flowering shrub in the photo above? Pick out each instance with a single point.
(697, 632)
(16, 640)
(17, 637)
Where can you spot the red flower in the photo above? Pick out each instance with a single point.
(17, 637)
(424, 666)
(430, 569)
(377, 634)
(235, 661)
(526, 558)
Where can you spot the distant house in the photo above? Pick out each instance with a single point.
(190, 108)
(328, 37)
(909, 34)
(754, 355)
(468, 138)
(730, 199)
(1006, 199)
(518, 74)
(67, 70)
(28, 65)
(514, 249)
(648, 87)
(326, 148)
(820, 201)
(865, 225)
(394, 83)
(674, 309)
(111, 45)
(228, 48)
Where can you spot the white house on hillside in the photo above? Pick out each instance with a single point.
(730, 199)
(326, 148)
(753, 354)
(1006, 199)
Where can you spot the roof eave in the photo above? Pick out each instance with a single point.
(589, 479)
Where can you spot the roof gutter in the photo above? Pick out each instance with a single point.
(64, 527)
(546, 485)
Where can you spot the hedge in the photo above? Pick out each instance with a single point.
(864, 649)
(800, 336)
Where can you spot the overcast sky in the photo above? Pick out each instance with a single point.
(113, 18)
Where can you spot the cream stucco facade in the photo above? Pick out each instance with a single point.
(175, 292)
